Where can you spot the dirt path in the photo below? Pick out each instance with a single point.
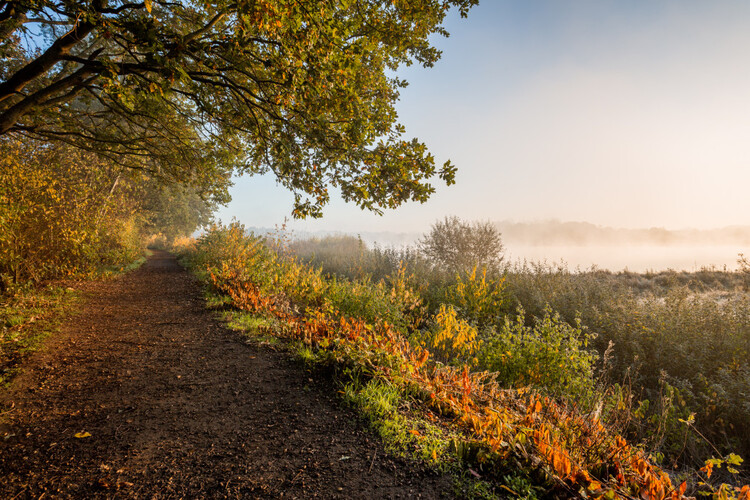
(179, 407)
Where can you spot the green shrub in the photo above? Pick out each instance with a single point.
(551, 355)
(363, 299)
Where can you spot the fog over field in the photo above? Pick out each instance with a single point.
(636, 257)
(583, 245)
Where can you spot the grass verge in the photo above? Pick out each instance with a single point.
(28, 317)
(30, 314)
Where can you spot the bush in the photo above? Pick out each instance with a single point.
(56, 218)
(480, 300)
(455, 246)
(551, 355)
(365, 300)
(450, 340)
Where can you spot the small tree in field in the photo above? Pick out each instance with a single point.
(457, 246)
(744, 270)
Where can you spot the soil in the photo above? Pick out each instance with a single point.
(167, 403)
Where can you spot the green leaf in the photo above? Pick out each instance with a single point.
(734, 459)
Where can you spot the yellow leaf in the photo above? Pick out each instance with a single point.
(81, 435)
(148, 5)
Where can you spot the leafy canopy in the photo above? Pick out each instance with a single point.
(188, 90)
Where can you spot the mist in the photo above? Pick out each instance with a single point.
(583, 245)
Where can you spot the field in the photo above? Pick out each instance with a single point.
(670, 344)
(543, 381)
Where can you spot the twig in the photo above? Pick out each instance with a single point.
(19, 493)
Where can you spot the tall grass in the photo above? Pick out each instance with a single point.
(670, 344)
(374, 336)
(680, 340)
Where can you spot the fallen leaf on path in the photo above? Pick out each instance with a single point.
(81, 435)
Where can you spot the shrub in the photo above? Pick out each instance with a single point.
(451, 340)
(455, 246)
(550, 355)
(480, 300)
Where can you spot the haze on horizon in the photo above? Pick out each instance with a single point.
(624, 114)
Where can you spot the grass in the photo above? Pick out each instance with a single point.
(116, 270)
(253, 327)
(27, 318)
(30, 314)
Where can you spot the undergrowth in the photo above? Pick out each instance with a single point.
(451, 376)
(27, 317)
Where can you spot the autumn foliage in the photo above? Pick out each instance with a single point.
(61, 213)
(67, 212)
(571, 453)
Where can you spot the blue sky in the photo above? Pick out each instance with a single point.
(631, 114)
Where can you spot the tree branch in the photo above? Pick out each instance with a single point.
(195, 34)
(7, 26)
(44, 62)
(11, 116)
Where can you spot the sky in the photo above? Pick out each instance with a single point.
(620, 113)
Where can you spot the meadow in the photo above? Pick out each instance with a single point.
(670, 344)
(540, 380)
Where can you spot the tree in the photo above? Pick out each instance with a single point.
(65, 211)
(301, 88)
(457, 246)
(174, 211)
